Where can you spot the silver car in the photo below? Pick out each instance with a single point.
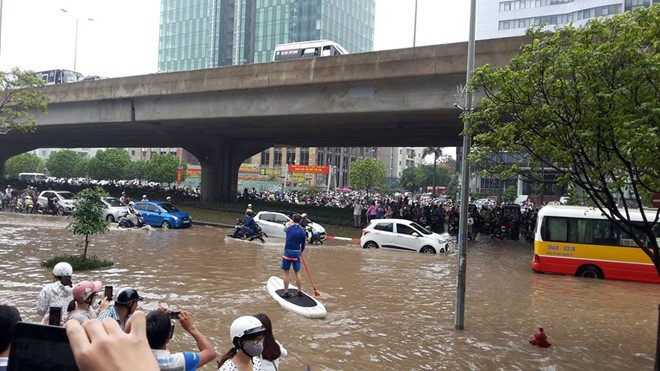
(273, 224)
(113, 209)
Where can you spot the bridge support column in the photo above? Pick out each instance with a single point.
(220, 162)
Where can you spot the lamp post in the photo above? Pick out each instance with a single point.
(415, 27)
(75, 48)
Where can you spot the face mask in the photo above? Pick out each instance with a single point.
(253, 350)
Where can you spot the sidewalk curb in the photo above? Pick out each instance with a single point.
(354, 240)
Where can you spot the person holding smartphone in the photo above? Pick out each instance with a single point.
(84, 295)
(58, 293)
(159, 333)
(125, 305)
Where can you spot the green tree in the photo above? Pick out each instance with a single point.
(436, 152)
(136, 170)
(81, 169)
(163, 169)
(510, 194)
(88, 217)
(367, 173)
(64, 164)
(18, 98)
(110, 164)
(23, 163)
(583, 102)
(412, 178)
(433, 174)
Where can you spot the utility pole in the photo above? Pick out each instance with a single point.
(415, 27)
(465, 179)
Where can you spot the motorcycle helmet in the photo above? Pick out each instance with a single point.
(304, 215)
(244, 326)
(127, 295)
(62, 269)
(131, 204)
(84, 289)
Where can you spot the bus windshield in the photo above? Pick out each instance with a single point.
(32, 177)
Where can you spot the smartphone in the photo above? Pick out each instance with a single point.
(108, 292)
(55, 316)
(40, 347)
(174, 314)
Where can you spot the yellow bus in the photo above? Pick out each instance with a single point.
(581, 241)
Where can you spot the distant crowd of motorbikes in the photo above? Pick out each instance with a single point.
(28, 202)
(498, 222)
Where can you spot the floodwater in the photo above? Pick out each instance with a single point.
(386, 309)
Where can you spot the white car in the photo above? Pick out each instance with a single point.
(66, 199)
(273, 224)
(401, 234)
(113, 209)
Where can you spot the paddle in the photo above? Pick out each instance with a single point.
(316, 293)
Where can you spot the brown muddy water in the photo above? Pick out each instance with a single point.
(386, 309)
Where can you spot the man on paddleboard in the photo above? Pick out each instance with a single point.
(293, 249)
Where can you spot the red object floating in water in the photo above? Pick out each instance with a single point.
(540, 339)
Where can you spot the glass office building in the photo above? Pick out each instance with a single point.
(210, 33)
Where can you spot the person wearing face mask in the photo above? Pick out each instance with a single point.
(58, 293)
(125, 305)
(247, 338)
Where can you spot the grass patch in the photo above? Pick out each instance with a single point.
(77, 262)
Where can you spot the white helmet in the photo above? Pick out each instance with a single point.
(304, 215)
(62, 269)
(245, 325)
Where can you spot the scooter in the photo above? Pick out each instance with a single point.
(313, 237)
(125, 222)
(239, 232)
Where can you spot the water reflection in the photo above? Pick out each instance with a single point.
(385, 309)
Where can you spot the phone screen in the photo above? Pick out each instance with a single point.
(40, 347)
(55, 316)
(108, 292)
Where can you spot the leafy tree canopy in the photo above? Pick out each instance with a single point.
(586, 103)
(64, 164)
(88, 217)
(110, 164)
(163, 169)
(367, 173)
(17, 98)
(23, 163)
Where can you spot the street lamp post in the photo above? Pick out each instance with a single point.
(415, 27)
(75, 48)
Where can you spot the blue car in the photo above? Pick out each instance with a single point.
(163, 214)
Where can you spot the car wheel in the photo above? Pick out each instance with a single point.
(60, 212)
(165, 225)
(590, 271)
(371, 245)
(427, 250)
(110, 218)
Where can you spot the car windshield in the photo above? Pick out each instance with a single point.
(419, 228)
(67, 195)
(113, 201)
(168, 207)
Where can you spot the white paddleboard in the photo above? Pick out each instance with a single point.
(305, 305)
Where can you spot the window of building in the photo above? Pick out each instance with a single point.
(265, 158)
(277, 156)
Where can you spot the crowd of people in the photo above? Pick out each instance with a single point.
(111, 329)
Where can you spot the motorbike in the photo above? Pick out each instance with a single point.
(125, 222)
(24, 204)
(239, 232)
(53, 208)
(313, 237)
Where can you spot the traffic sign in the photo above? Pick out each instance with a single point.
(655, 200)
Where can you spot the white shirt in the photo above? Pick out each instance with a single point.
(54, 295)
(230, 366)
(275, 364)
(357, 209)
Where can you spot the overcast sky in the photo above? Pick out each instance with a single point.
(122, 39)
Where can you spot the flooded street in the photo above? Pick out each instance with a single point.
(387, 309)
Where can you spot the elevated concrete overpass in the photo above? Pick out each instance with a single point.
(401, 97)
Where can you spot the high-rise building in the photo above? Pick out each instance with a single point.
(505, 18)
(211, 33)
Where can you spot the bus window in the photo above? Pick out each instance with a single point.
(31, 177)
(310, 52)
(326, 51)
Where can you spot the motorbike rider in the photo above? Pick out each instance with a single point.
(133, 215)
(250, 226)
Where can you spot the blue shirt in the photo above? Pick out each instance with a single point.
(185, 361)
(295, 241)
(249, 223)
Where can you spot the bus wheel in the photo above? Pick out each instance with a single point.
(590, 271)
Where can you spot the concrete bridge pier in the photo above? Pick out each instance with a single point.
(220, 161)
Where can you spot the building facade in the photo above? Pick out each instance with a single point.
(506, 18)
(198, 34)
